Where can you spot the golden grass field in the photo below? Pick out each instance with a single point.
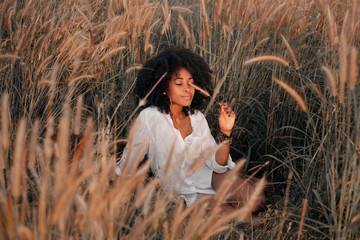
(67, 71)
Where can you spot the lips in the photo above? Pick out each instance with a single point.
(187, 97)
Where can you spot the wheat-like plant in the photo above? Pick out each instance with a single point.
(67, 72)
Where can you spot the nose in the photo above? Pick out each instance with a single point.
(187, 87)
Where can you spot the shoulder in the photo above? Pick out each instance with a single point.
(151, 116)
(150, 112)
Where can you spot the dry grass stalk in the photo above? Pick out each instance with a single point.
(145, 196)
(331, 27)
(42, 217)
(353, 16)
(88, 145)
(77, 120)
(343, 67)
(118, 198)
(286, 201)
(32, 146)
(165, 227)
(62, 151)
(317, 89)
(303, 213)
(267, 58)
(17, 170)
(274, 11)
(48, 143)
(283, 19)
(147, 44)
(181, 20)
(5, 121)
(43, 65)
(110, 42)
(197, 224)
(344, 25)
(74, 80)
(81, 206)
(2, 166)
(10, 221)
(4, 68)
(84, 16)
(168, 160)
(136, 161)
(213, 231)
(9, 56)
(202, 91)
(331, 81)
(260, 43)
(293, 93)
(221, 195)
(135, 67)
(291, 52)
(204, 12)
(78, 153)
(217, 225)
(354, 68)
(143, 101)
(180, 215)
(181, 9)
(167, 17)
(52, 87)
(355, 219)
(161, 202)
(139, 229)
(126, 94)
(252, 203)
(25, 233)
(197, 163)
(59, 211)
(112, 52)
(232, 102)
(221, 82)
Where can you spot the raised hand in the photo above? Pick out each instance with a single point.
(226, 119)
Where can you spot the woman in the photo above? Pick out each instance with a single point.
(175, 135)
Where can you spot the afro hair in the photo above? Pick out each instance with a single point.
(169, 62)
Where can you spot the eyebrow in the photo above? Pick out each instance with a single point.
(177, 77)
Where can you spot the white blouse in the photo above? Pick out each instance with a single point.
(156, 136)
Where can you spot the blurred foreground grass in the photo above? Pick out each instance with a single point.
(67, 69)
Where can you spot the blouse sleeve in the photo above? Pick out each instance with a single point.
(137, 146)
(210, 142)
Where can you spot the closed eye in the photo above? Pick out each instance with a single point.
(179, 83)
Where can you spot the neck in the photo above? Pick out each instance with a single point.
(176, 111)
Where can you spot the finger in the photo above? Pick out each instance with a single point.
(232, 102)
(222, 108)
(228, 110)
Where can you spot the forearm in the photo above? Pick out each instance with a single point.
(226, 124)
(222, 154)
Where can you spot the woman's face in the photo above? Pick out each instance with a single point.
(180, 88)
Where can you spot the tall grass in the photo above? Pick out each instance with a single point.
(67, 70)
